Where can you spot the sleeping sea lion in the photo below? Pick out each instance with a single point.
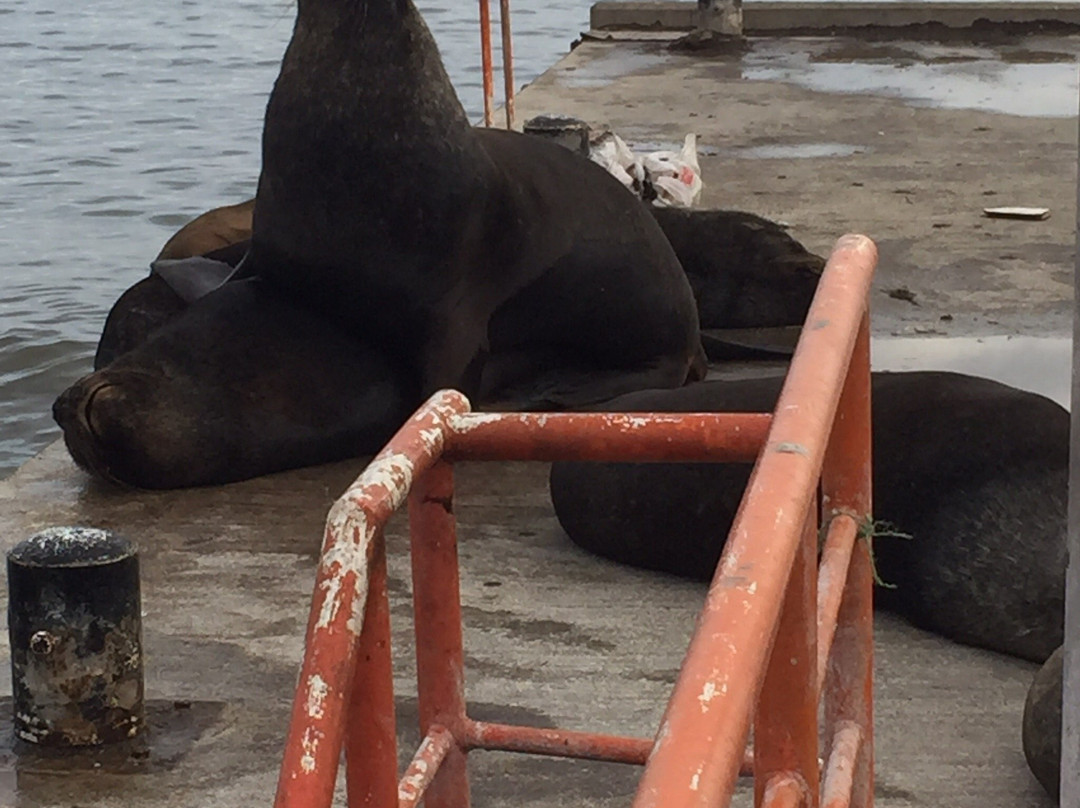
(973, 470)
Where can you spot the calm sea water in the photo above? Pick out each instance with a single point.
(121, 121)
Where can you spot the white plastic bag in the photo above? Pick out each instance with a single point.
(676, 176)
(665, 178)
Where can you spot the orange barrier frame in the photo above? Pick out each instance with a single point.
(486, 62)
(778, 631)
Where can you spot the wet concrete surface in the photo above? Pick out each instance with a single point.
(907, 142)
(555, 637)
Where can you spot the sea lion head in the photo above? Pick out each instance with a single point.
(114, 428)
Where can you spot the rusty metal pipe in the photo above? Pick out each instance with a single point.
(695, 758)
(840, 769)
(846, 488)
(351, 542)
(423, 767)
(440, 655)
(832, 577)
(371, 731)
(566, 743)
(784, 790)
(508, 61)
(785, 724)
(609, 437)
(485, 62)
(555, 742)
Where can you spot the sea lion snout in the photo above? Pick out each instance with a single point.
(72, 411)
(95, 415)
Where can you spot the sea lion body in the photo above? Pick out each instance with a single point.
(383, 215)
(446, 222)
(211, 231)
(745, 272)
(240, 384)
(1042, 723)
(975, 471)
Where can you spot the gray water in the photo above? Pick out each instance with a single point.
(120, 121)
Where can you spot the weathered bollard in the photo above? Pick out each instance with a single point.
(75, 628)
(569, 132)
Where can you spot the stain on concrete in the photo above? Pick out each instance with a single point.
(172, 729)
(532, 630)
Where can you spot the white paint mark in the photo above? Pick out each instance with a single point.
(715, 686)
(349, 531)
(708, 693)
(411, 783)
(316, 698)
(466, 423)
(310, 744)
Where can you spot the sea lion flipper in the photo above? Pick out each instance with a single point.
(192, 278)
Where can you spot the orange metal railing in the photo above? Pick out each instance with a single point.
(486, 61)
(779, 630)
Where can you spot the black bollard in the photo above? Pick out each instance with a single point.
(75, 627)
(569, 132)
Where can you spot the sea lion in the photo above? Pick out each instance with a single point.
(241, 383)
(1042, 723)
(484, 260)
(746, 272)
(211, 231)
(973, 470)
(160, 297)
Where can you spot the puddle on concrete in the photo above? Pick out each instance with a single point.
(661, 145)
(1040, 364)
(613, 64)
(1008, 80)
(791, 151)
(767, 151)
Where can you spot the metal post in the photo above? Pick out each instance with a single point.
(1070, 691)
(846, 489)
(75, 627)
(485, 61)
(721, 16)
(371, 737)
(440, 656)
(508, 61)
(786, 726)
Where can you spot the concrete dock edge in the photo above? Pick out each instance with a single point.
(772, 17)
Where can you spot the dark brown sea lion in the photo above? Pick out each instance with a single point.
(746, 273)
(484, 260)
(975, 471)
(242, 383)
(1042, 723)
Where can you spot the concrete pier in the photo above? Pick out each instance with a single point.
(905, 141)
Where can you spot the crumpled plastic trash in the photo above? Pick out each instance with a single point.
(665, 178)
